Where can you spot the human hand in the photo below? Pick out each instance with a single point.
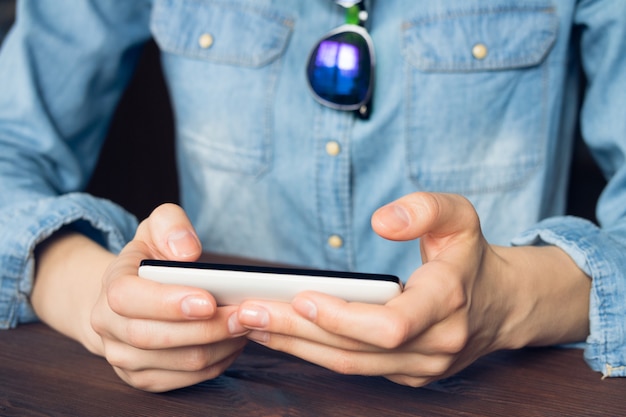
(161, 337)
(465, 301)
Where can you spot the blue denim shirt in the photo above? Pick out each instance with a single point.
(267, 172)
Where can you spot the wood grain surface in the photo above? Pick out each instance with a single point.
(45, 374)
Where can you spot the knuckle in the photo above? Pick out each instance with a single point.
(470, 216)
(143, 225)
(139, 335)
(332, 320)
(116, 358)
(164, 210)
(396, 333)
(454, 342)
(142, 381)
(457, 298)
(197, 359)
(427, 206)
(115, 296)
(437, 366)
(344, 364)
(453, 292)
(97, 324)
(291, 325)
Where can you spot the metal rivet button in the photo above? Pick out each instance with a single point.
(479, 51)
(333, 148)
(205, 41)
(335, 241)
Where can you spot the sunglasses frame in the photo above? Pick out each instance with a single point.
(362, 108)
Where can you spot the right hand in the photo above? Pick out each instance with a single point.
(160, 337)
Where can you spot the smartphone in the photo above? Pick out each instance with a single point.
(232, 284)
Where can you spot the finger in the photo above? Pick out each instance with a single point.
(133, 297)
(156, 380)
(156, 335)
(330, 321)
(278, 317)
(186, 358)
(447, 224)
(376, 325)
(382, 326)
(404, 325)
(137, 298)
(170, 234)
(418, 214)
(356, 363)
(429, 297)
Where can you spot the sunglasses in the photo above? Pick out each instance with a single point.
(340, 69)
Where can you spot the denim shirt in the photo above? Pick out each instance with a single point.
(267, 172)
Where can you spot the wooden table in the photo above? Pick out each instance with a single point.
(44, 373)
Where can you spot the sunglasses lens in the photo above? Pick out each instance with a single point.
(339, 69)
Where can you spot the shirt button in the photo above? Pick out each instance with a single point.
(205, 40)
(479, 51)
(335, 241)
(332, 148)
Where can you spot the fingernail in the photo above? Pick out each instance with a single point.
(183, 244)
(234, 327)
(305, 307)
(195, 307)
(256, 317)
(395, 217)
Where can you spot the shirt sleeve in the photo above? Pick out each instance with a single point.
(600, 251)
(601, 254)
(63, 67)
(26, 224)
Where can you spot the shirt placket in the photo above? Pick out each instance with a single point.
(333, 186)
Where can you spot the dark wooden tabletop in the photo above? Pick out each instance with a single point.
(45, 374)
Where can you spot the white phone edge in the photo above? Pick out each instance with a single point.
(232, 287)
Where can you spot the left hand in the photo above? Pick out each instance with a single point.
(462, 303)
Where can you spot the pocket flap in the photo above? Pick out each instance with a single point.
(218, 31)
(480, 39)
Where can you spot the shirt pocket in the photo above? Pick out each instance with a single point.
(221, 60)
(476, 83)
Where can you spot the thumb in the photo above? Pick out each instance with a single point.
(418, 214)
(170, 234)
